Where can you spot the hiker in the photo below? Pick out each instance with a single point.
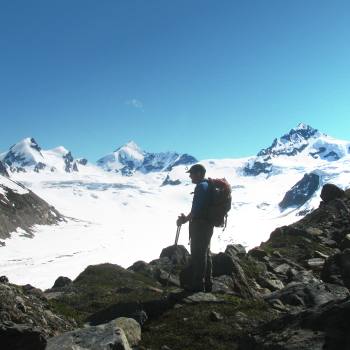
(200, 232)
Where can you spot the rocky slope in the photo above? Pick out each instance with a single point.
(291, 292)
(3, 170)
(20, 208)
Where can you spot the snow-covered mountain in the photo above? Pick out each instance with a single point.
(122, 219)
(27, 155)
(303, 142)
(130, 158)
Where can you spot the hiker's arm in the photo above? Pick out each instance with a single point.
(199, 199)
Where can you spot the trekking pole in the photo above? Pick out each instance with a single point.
(177, 234)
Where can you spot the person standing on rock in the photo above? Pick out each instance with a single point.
(199, 277)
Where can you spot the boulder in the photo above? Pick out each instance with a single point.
(177, 254)
(131, 328)
(102, 337)
(330, 192)
(62, 282)
(225, 264)
(4, 279)
(161, 270)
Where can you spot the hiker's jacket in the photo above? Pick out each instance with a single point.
(201, 200)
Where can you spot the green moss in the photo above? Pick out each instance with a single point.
(191, 326)
(101, 286)
(297, 248)
(60, 308)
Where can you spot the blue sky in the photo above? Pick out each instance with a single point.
(212, 78)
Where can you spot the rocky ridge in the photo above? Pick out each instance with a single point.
(21, 208)
(291, 292)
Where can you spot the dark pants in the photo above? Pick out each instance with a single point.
(201, 232)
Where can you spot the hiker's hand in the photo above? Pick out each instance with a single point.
(181, 220)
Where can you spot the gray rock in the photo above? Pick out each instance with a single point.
(216, 316)
(314, 231)
(272, 283)
(103, 337)
(223, 284)
(131, 328)
(302, 295)
(225, 264)
(165, 347)
(282, 269)
(303, 276)
(316, 263)
(235, 251)
(201, 297)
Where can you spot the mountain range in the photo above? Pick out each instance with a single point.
(27, 155)
(130, 198)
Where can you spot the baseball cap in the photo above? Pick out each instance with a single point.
(196, 168)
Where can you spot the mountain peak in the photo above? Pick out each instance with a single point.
(130, 146)
(304, 131)
(23, 153)
(291, 143)
(27, 142)
(303, 126)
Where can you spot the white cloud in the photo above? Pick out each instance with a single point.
(135, 103)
